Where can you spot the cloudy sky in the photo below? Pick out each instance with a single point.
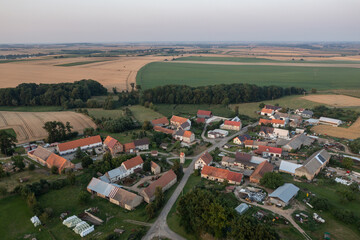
(59, 21)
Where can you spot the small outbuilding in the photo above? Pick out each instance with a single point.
(242, 208)
(284, 194)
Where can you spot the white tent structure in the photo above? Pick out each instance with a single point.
(80, 227)
(35, 220)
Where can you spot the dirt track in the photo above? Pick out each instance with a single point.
(334, 100)
(352, 132)
(28, 126)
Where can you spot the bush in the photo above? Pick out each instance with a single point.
(84, 197)
(54, 170)
(32, 167)
(272, 180)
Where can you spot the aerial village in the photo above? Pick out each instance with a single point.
(250, 160)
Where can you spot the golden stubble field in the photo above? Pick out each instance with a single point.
(352, 132)
(334, 100)
(28, 126)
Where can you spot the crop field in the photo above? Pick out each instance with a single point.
(193, 74)
(334, 100)
(352, 132)
(142, 114)
(28, 126)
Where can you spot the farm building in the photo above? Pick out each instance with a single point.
(306, 113)
(133, 163)
(283, 194)
(281, 133)
(297, 142)
(254, 144)
(231, 125)
(273, 122)
(204, 160)
(243, 161)
(330, 121)
(313, 165)
(155, 168)
(83, 144)
(217, 133)
(166, 181)
(260, 170)
(116, 195)
(220, 175)
(204, 114)
(180, 123)
(240, 140)
(116, 174)
(275, 108)
(184, 136)
(288, 167)
(129, 147)
(39, 155)
(242, 208)
(266, 132)
(267, 112)
(160, 122)
(113, 145)
(142, 144)
(128, 167)
(267, 151)
(163, 130)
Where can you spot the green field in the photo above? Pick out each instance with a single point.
(31, 108)
(99, 113)
(188, 110)
(142, 114)
(79, 63)
(321, 78)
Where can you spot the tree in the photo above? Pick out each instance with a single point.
(18, 162)
(54, 170)
(79, 154)
(86, 161)
(261, 105)
(7, 143)
(84, 197)
(132, 86)
(271, 180)
(32, 167)
(147, 166)
(71, 178)
(178, 169)
(57, 131)
(146, 125)
(159, 198)
(355, 146)
(150, 210)
(313, 90)
(89, 131)
(347, 163)
(236, 110)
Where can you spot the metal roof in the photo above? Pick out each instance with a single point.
(101, 187)
(285, 192)
(288, 167)
(116, 172)
(242, 208)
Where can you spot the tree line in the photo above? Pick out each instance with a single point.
(67, 95)
(215, 94)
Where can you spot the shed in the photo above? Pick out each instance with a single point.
(283, 194)
(242, 208)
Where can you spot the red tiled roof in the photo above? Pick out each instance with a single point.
(79, 143)
(57, 161)
(200, 120)
(187, 134)
(232, 123)
(277, 121)
(204, 113)
(164, 180)
(163, 121)
(221, 173)
(264, 121)
(262, 149)
(133, 162)
(266, 110)
(154, 165)
(163, 130)
(110, 142)
(267, 121)
(178, 119)
(249, 142)
(129, 146)
(206, 157)
(261, 169)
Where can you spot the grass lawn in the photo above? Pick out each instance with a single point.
(142, 113)
(186, 164)
(31, 109)
(190, 110)
(322, 78)
(99, 113)
(292, 102)
(124, 137)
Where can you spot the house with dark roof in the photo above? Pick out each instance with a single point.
(231, 125)
(113, 145)
(166, 181)
(180, 122)
(204, 160)
(114, 194)
(240, 140)
(260, 170)
(83, 144)
(284, 194)
(266, 132)
(275, 108)
(243, 161)
(184, 136)
(307, 114)
(204, 114)
(297, 142)
(161, 122)
(313, 165)
(221, 175)
(142, 144)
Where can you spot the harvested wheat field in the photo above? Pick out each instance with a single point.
(352, 132)
(28, 126)
(334, 100)
(116, 72)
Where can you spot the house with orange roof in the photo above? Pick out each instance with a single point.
(163, 130)
(129, 147)
(204, 114)
(180, 123)
(273, 122)
(59, 162)
(267, 151)
(267, 112)
(204, 160)
(155, 168)
(132, 164)
(220, 175)
(161, 122)
(83, 144)
(184, 136)
(113, 145)
(166, 181)
(254, 144)
(231, 125)
(260, 170)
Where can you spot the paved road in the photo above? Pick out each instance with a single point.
(160, 227)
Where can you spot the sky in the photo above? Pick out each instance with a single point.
(62, 21)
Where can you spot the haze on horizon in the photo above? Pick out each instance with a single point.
(61, 21)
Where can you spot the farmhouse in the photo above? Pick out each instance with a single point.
(260, 170)
(184, 136)
(267, 151)
(133, 163)
(204, 160)
(313, 165)
(128, 167)
(114, 194)
(129, 147)
(166, 181)
(275, 108)
(273, 122)
(113, 145)
(115, 174)
(240, 140)
(266, 132)
(155, 168)
(160, 122)
(231, 125)
(288, 167)
(142, 144)
(305, 113)
(254, 144)
(217, 133)
(180, 123)
(220, 175)
(243, 161)
(204, 114)
(83, 144)
(330, 121)
(163, 130)
(297, 142)
(281, 133)
(267, 112)
(283, 194)
(40, 155)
